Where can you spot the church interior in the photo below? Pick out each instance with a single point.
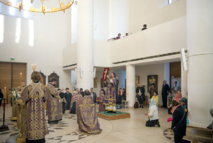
(101, 71)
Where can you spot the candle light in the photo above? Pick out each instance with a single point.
(34, 67)
(5, 92)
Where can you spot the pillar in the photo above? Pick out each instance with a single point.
(184, 82)
(130, 84)
(85, 44)
(200, 50)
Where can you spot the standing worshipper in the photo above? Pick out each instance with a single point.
(140, 90)
(119, 100)
(74, 102)
(165, 90)
(86, 115)
(178, 96)
(63, 101)
(169, 102)
(68, 97)
(151, 90)
(176, 88)
(101, 100)
(110, 99)
(1, 97)
(93, 95)
(178, 122)
(34, 95)
(53, 102)
(153, 118)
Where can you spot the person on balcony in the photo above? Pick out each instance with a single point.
(144, 27)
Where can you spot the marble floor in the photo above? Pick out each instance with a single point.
(128, 130)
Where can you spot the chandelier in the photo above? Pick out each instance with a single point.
(43, 9)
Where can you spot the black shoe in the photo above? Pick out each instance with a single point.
(158, 124)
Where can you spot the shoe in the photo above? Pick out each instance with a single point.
(158, 124)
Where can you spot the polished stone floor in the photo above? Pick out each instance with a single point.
(128, 130)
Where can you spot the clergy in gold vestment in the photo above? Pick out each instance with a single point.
(75, 100)
(34, 95)
(53, 103)
(86, 115)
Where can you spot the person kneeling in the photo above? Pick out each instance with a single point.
(153, 118)
(86, 115)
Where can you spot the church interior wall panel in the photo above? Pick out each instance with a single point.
(151, 42)
(152, 69)
(17, 69)
(153, 12)
(46, 52)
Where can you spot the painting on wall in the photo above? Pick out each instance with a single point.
(95, 82)
(137, 81)
(43, 78)
(54, 75)
(152, 79)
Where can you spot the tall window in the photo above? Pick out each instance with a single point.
(31, 33)
(18, 30)
(170, 1)
(1, 28)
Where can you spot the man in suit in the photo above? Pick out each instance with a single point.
(165, 91)
(140, 94)
(93, 94)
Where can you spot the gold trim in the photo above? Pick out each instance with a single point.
(13, 118)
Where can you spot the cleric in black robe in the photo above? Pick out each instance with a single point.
(68, 97)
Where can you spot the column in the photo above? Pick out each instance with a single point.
(85, 44)
(184, 82)
(200, 49)
(130, 84)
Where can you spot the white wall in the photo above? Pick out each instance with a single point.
(153, 12)
(49, 39)
(119, 16)
(165, 38)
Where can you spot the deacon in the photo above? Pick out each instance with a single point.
(34, 96)
(86, 115)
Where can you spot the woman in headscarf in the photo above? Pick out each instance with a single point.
(184, 104)
(153, 118)
(178, 96)
(178, 122)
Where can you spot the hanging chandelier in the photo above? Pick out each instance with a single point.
(21, 5)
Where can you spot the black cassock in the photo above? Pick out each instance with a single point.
(68, 97)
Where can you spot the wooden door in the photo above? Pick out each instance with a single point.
(5, 76)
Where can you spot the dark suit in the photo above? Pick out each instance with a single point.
(179, 124)
(165, 90)
(68, 97)
(141, 98)
(94, 97)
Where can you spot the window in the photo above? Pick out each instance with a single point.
(1, 28)
(18, 30)
(31, 33)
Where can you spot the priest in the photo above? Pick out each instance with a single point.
(34, 96)
(110, 100)
(74, 102)
(53, 103)
(86, 115)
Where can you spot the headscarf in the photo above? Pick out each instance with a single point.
(184, 100)
(152, 103)
(178, 96)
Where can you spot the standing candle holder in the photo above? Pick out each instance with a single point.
(4, 127)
